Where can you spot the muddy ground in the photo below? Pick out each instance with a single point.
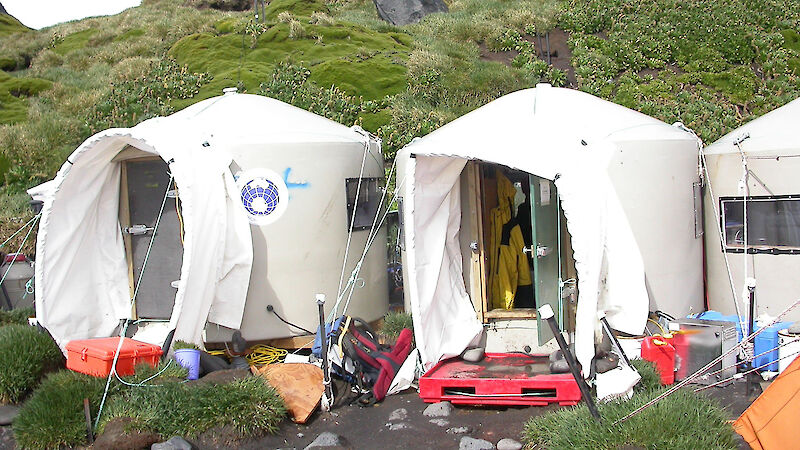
(371, 427)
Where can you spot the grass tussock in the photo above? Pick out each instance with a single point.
(161, 403)
(53, 417)
(394, 323)
(17, 316)
(26, 355)
(682, 420)
(250, 406)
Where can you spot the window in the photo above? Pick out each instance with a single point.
(773, 224)
(368, 202)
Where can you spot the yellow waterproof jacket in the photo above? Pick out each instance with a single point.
(508, 264)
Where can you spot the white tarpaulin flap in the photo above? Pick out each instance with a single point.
(556, 134)
(407, 374)
(82, 288)
(443, 314)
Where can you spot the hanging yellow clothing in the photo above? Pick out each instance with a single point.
(508, 264)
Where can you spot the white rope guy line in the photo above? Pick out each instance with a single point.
(705, 376)
(696, 374)
(743, 374)
(124, 330)
(721, 239)
(373, 234)
(745, 195)
(33, 221)
(352, 222)
(36, 217)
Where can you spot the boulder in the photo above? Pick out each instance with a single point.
(115, 437)
(404, 12)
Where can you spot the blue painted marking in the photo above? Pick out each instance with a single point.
(290, 185)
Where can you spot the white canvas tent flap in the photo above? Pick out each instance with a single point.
(82, 288)
(556, 134)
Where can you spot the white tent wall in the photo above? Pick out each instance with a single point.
(777, 284)
(301, 254)
(82, 276)
(661, 213)
(561, 135)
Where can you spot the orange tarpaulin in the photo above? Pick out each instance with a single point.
(771, 422)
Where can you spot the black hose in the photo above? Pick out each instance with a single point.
(272, 310)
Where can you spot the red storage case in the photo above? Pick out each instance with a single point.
(95, 356)
(499, 379)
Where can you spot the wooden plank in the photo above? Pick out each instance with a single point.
(125, 221)
(476, 278)
(299, 385)
(516, 313)
(481, 213)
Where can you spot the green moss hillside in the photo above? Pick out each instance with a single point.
(711, 64)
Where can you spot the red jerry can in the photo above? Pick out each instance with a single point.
(659, 351)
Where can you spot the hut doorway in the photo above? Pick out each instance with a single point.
(517, 254)
(145, 186)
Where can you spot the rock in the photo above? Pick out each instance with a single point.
(174, 443)
(222, 377)
(440, 422)
(8, 413)
(459, 430)
(398, 414)
(441, 409)
(115, 437)
(468, 443)
(398, 426)
(327, 439)
(508, 444)
(404, 12)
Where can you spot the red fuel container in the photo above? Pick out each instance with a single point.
(95, 356)
(660, 352)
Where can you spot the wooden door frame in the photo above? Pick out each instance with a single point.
(128, 154)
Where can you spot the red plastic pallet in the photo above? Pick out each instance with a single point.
(499, 379)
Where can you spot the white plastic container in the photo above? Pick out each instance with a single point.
(18, 275)
(790, 345)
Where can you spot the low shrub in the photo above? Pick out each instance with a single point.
(17, 316)
(26, 354)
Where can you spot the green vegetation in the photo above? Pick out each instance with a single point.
(26, 355)
(394, 322)
(712, 65)
(17, 316)
(159, 402)
(53, 417)
(702, 423)
(13, 94)
(184, 345)
(250, 405)
(10, 25)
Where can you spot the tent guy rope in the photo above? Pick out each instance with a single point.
(124, 329)
(711, 364)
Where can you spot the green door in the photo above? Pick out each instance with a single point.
(545, 251)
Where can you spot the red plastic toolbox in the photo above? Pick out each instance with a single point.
(95, 356)
(499, 379)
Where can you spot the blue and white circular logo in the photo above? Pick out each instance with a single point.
(263, 194)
